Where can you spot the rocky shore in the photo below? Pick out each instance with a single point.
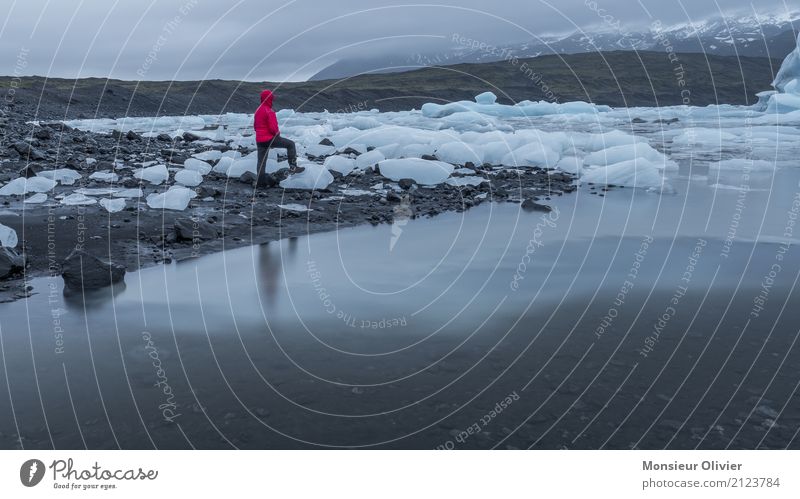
(226, 212)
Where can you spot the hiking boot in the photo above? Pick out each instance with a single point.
(296, 169)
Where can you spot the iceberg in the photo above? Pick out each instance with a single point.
(786, 99)
(37, 198)
(630, 173)
(156, 175)
(113, 205)
(8, 237)
(369, 159)
(105, 176)
(340, 164)
(189, 178)
(421, 171)
(77, 199)
(485, 104)
(176, 198)
(212, 155)
(200, 167)
(315, 177)
(65, 176)
(21, 186)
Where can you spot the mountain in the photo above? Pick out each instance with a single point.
(617, 78)
(765, 35)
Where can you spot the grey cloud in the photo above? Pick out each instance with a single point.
(234, 39)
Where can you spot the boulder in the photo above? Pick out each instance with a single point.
(131, 135)
(189, 229)
(191, 137)
(10, 262)
(83, 272)
(326, 142)
(531, 205)
(405, 183)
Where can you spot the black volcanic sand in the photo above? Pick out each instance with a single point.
(140, 236)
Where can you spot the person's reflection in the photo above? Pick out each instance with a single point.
(270, 268)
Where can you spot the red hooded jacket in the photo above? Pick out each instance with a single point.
(265, 121)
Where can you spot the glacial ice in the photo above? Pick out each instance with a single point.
(787, 85)
(200, 167)
(176, 198)
(78, 199)
(630, 173)
(189, 178)
(618, 154)
(37, 198)
(485, 104)
(423, 172)
(156, 175)
(21, 186)
(369, 159)
(104, 176)
(113, 205)
(315, 177)
(212, 155)
(64, 176)
(341, 164)
(8, 237)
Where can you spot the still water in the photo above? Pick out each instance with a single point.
(619, 321)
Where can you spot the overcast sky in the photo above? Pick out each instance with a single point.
(273, 40)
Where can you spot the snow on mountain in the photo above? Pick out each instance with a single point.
(754, 35)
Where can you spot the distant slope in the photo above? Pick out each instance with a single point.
(766, 35)
(620, 78)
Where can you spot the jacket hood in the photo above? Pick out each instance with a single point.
(266, 97)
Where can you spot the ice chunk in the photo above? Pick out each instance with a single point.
(96, 192)
(211, 155)
(63, 175)
(113, 205)
(790, 69)
(357, 192)
(570, 164)
(20, 186)
(37, 198)
(176, 198)
(462, 181)
(294, 207)
(315, 177)
(318, 150)
(104, 176)
(534, 154)
(129, 193)
(189, 178)
(246, 164)
(618, 154)
(223, 165)
(369, 159)
(154, 174)
(422, 171)
(519, 110)
(486, 98)
(459, 153)
(631, 173)
(8, 237)
(200, 167)
(340, 164)
(77, 199)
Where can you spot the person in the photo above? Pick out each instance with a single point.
(268, 135)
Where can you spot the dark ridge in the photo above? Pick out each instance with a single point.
(620, 78)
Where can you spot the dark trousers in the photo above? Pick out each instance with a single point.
(276, 142)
